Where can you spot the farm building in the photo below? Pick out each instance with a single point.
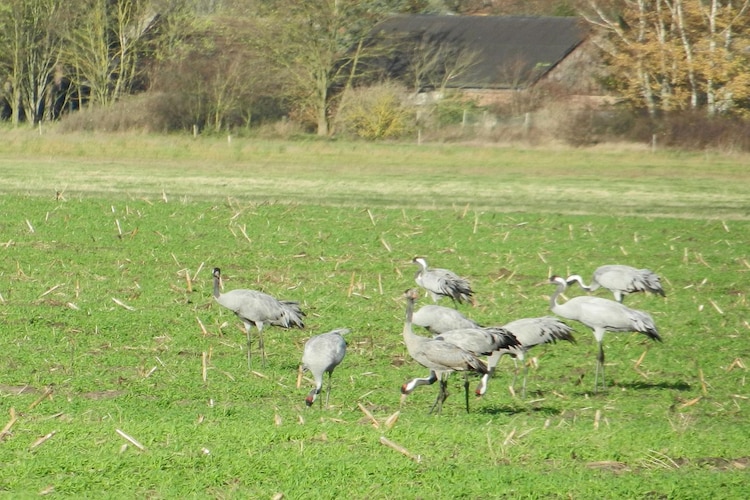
(486, 56)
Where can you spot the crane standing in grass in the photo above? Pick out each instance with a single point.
(621, 280)
(258, 308)
(442, 282)
(322, 354)
(438, 356)
(601, 315)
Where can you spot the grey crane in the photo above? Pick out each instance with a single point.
(621, 280)
(322, 354)
(480, 342)
(601, 315)
(440, 357)
(442, 282)
(439, 319)
(530, 332)
(258, 308)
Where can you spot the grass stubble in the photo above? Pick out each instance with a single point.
(121, 377)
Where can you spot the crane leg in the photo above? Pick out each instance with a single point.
(249, 355)
(442, 395)
(466, 390)
(599, 368)
(525, 376)
(328, 391)
(515, 376)
(438, 403)
(262, 347)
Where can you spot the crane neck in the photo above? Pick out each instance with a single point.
(217, 286)
(579, 279)
(553, 299)
(409, 309)
(408, 332)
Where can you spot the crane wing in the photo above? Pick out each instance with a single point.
(441, 356)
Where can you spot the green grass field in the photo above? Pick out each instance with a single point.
(121, 378)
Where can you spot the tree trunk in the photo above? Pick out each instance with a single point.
(322, 121)
(643, 75)
(16, 100)
(710, 87)
(322, 106)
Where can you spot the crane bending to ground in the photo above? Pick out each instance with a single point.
(480, 342)
(621, 280)
(530, 332)
(321, 355)
(601, 315)
(258, 308)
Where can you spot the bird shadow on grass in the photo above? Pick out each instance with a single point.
(517, 409)
(635, 386)
(640, 385)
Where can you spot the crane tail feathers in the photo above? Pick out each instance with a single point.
(291, 316)
(479, 366)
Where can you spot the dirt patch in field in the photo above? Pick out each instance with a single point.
(713, 463)
(20, 390)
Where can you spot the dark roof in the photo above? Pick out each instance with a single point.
(509, 51)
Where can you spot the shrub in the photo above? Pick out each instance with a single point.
(695, 130)
(689, 130)
(588, 126)
(454, 110)
(377, 112)
(147, 112)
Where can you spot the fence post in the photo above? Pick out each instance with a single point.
(526, 122)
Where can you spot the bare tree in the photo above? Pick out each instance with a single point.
(30, 37)
(218, 75)
(724, 62)
(104, 46)
(319, 45)
(434, 62)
